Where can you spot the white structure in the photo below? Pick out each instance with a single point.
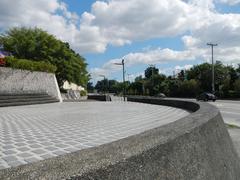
(72, 86)
(73, 91)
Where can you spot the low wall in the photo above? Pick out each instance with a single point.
(16, 81)
(196, 147)
(99, 97)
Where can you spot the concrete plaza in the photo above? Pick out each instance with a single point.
(37, 132)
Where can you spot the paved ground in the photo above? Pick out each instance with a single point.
(32, 133)
(230, 111)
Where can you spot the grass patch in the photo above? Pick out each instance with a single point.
(232, 126)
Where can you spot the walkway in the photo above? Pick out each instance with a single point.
(37, 132)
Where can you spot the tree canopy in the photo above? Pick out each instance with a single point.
(187, 83)
(37, 45)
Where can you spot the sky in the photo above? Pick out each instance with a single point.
(170, 34)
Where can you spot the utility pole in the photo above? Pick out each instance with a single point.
(124, 86)
(213, 83)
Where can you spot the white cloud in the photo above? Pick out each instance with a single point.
(151, 56)
(230, 2)
(120, 22)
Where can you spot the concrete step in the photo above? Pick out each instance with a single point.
(27, 103)
(23, 96)
(23, 99)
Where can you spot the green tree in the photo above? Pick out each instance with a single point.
(37, 45)
(189, 88)
(90, 87)
(237, 85)
(151, 71)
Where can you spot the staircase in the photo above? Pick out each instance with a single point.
(25, 99)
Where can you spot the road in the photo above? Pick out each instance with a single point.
(230, 111)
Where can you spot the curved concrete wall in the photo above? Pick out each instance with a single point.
(18, 81)
(99, 97)
(196, 147)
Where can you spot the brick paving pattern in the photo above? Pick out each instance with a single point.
(32, 133)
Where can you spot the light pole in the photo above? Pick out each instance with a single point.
(104, 86)
(213, 83)
(124, 88)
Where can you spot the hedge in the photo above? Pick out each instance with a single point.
(25, 64)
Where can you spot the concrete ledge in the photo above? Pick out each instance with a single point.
(195, 147)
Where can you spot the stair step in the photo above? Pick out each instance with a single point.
(27, 99)
(22, 94)
(22, 97)
(27, 103)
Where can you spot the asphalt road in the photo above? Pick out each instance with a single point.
(230, 111)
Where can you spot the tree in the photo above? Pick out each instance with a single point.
(37, 45)
(90, 87)
(237, 85)
(150, 71)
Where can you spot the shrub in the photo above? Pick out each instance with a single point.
(83, 93)
(30, 65)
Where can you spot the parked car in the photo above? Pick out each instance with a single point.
(161, 95)
(206, 97)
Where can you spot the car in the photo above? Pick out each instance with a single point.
(206, 97)
(161, 95)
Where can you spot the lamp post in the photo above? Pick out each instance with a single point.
(213, 83)
(124, 88)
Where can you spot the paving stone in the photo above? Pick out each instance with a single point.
(20, 144)
(16, 163)
(8, 152)
(25, 155)
(35, 146)
(8, 147)
(39, 151)
(10, 158)
(51, 148)
(46, 156)
(59, 152)
(61, 145)
(33, 133)
(8, 142)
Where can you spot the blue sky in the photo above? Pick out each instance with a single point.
(172, 35)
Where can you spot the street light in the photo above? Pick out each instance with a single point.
(213, 83)
(124, 88)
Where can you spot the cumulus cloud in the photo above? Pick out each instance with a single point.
(151, 56)
(231, 2)
(120, 22)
